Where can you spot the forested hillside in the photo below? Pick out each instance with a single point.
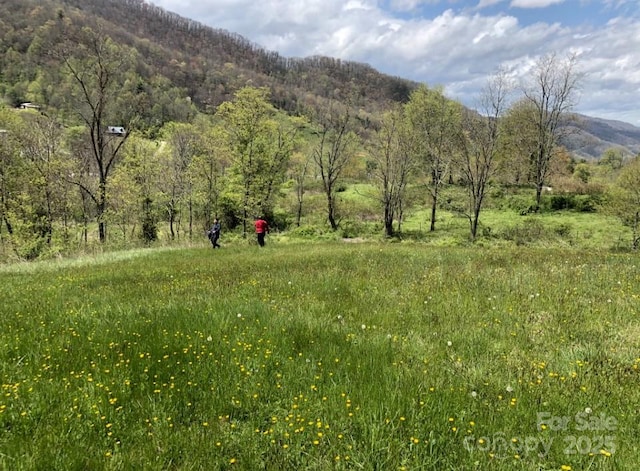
(209, 65)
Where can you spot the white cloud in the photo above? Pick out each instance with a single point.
(534, 3)
(488, 3)
(410, 5)
(458, 49)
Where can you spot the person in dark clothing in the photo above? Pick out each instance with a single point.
(261, 230)
(214, 233)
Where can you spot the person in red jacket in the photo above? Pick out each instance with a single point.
(261, 229)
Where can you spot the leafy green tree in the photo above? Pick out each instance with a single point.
(624, 199)
(31, 180)
(207, 174)
(9, 168)
(517, 144)
(435, 122)
(613, 158)
(42, 148)
(259, 145)
(182, 140)
(144, 171)
(124, 211)
(583, 172)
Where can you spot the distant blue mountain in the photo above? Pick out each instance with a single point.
(590, 137)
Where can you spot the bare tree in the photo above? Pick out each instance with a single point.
(393, 164)
(551, 91)
(97, 68)
(336, 147)
(183, 139)
(298, 168)
(480, 145)
(517, 144)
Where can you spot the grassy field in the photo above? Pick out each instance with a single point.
(322, 356)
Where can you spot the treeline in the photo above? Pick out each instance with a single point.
(57, 182)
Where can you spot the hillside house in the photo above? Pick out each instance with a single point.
(116, 131)
(29, 106)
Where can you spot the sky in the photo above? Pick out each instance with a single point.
(456, 44)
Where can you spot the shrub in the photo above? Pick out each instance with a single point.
(571, 202)
(529, 231)
(559, 202)
(229, 214)
(278, 219)
(522, 204)
(352, 229)
(563, 230)
(587, 203)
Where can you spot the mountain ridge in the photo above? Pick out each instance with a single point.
(595, 136)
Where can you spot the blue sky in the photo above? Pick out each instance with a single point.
(457, 44)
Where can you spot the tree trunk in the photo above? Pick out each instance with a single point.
(299, 213)
(636, 237)
(434, 203)
(388, 221)
(172, 217)
(245, 211)
(101, 206)
(331, 210)
(8, 224)
(300, 195)
(474, 222)
(190, 218)
(49, 223)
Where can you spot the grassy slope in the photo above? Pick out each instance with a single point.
(321, 356)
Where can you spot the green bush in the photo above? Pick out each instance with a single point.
(531, 230)
(571, 202)
(587, 203)
(563, 230)
(522, 204)
(352, 229)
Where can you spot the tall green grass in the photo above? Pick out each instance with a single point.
(322, 356)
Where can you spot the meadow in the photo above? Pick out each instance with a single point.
(322, 356)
